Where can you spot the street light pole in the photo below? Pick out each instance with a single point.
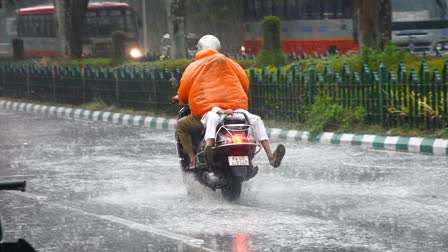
(145, 27)
(177, 12)
(169, 21)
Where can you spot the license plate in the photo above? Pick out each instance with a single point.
(238, 160)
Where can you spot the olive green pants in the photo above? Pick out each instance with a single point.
(188, 129)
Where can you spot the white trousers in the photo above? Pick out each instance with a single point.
(210, 120)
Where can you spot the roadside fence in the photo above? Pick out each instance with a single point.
(415, 98)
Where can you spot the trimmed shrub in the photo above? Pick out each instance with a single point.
(118, 47)
(271, 54)
(391, 56)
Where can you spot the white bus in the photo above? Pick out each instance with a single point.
(8, 31)
(420, 25)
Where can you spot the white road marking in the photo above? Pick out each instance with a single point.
(191, 241)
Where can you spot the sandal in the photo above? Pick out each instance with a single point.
(279, 153)
(192, 165)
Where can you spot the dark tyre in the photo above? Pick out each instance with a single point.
(232, 190)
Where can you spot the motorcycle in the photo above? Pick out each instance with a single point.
(21, 244)
(233, 152)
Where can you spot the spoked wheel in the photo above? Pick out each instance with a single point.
(232, 190)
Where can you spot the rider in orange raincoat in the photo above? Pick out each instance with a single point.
(213, 80)
(214, 85)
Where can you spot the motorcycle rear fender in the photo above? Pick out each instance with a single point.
(240, 171)
(247, 149)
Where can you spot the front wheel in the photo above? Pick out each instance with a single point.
(232, 190)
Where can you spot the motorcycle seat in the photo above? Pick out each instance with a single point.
(233, 120)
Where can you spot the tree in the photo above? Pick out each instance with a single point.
(375, 22)
(70, 16)
(223, 19)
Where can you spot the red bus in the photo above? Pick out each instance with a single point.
(37, 27)
(306, 25)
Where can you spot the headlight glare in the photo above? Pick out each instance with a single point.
(135, 53)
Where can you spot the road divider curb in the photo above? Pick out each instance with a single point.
(433, 146)
(103, 116)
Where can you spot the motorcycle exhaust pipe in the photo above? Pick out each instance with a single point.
(210, 178)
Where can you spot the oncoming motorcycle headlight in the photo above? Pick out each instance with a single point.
(243, 50)
(135, 53)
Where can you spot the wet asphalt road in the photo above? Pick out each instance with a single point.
(99, 187)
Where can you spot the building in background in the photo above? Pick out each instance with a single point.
(8, 22)
(155, 23)
(221, 18)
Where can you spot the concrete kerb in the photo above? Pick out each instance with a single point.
(433, 146)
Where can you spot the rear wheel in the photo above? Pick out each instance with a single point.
(232, 190)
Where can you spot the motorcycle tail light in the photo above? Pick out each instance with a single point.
(238, 138)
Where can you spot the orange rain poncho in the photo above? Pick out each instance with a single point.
(213, 80)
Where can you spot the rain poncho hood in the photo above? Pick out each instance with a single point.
(213, 80)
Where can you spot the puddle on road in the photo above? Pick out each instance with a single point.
(322, 198)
